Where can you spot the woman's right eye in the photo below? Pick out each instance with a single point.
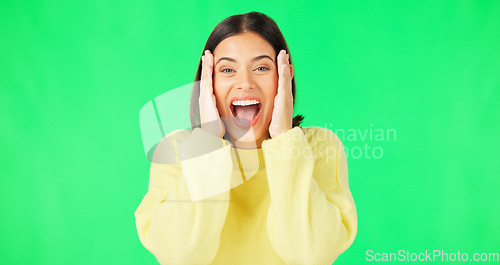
(226, 70)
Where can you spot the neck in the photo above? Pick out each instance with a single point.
(248, 144)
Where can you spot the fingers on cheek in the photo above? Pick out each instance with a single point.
(282, 69)
(210, 58)
(285, 71)
(203, 70)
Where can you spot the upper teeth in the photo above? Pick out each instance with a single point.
(245, 102)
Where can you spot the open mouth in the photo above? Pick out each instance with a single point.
(246, 111)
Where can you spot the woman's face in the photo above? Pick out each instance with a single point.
(245, 82)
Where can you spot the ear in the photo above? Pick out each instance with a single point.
(291, 71)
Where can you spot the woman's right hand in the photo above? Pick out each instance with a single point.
(209, 115)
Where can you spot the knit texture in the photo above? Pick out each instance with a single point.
(286, 203)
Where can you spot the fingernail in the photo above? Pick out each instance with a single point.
(203, 58)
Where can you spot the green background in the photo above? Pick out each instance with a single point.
(74, 75)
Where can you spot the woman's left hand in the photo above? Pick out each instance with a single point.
(282, 117)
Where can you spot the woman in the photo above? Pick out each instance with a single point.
(249, 186)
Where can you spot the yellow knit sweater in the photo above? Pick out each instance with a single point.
(285, 203)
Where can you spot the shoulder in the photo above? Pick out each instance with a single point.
(180, 134)
(167, 149)
(318, 134)
(320, 138)
(174, 137)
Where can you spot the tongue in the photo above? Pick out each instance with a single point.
(247, 112)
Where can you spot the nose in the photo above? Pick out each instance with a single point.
(245, 80)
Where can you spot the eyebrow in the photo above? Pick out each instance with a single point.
(253, 60)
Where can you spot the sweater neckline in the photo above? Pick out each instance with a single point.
(248, 159)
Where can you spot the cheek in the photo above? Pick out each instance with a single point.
(271, 89)
(221, 90)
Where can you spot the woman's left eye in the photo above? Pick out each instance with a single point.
(261, 68)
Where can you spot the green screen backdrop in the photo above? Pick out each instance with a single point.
(410, 87)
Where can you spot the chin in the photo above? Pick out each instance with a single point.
(248, 139)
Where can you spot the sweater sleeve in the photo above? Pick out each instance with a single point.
(312, 217)
(181, 217)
